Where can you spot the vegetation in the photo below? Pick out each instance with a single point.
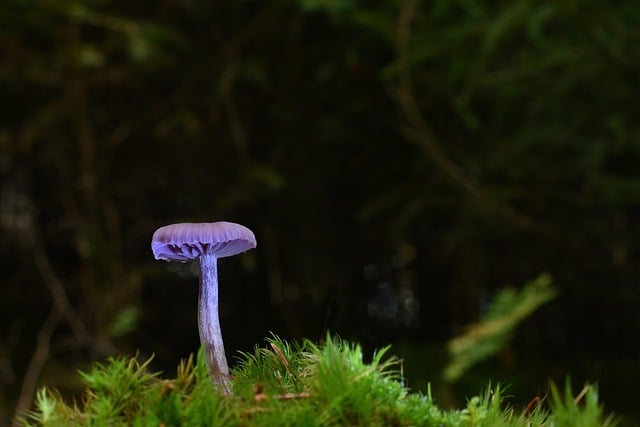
(493, 333)
(401, 162)
(295, 385)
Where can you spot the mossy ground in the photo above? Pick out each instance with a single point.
(286, 384)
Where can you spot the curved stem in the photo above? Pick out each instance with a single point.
(209, 323)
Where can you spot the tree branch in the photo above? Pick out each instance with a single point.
(39, 358)
(422, 135)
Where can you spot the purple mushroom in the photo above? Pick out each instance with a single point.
(206, 242)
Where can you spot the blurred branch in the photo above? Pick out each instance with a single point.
(492, 333)
(36, 364)
(238, 133)
(62, 308)
(55, 287)
(60, 298)
(420, 133)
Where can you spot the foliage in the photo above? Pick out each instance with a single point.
(493, 332)
(494, 139)
(285, 385)
(566, 409)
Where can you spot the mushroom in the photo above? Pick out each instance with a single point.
(206, 242)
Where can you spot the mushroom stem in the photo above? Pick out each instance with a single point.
(209, 323)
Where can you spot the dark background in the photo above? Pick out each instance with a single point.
(398, 161)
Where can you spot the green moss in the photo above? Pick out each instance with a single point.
(291, 385)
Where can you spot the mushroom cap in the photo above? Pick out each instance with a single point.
(187, 241)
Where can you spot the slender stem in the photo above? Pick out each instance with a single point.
(209, 323)
(37, 363)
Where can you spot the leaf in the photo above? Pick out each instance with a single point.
(487, 337)
(125, 321)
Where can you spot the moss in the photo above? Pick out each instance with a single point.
(286, 384)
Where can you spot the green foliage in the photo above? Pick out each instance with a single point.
(487, 337)
(125, 321)
(107, 399)
(287, 385)
(497, 138)
(566, 408)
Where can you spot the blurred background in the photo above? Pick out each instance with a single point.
(401, 163)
